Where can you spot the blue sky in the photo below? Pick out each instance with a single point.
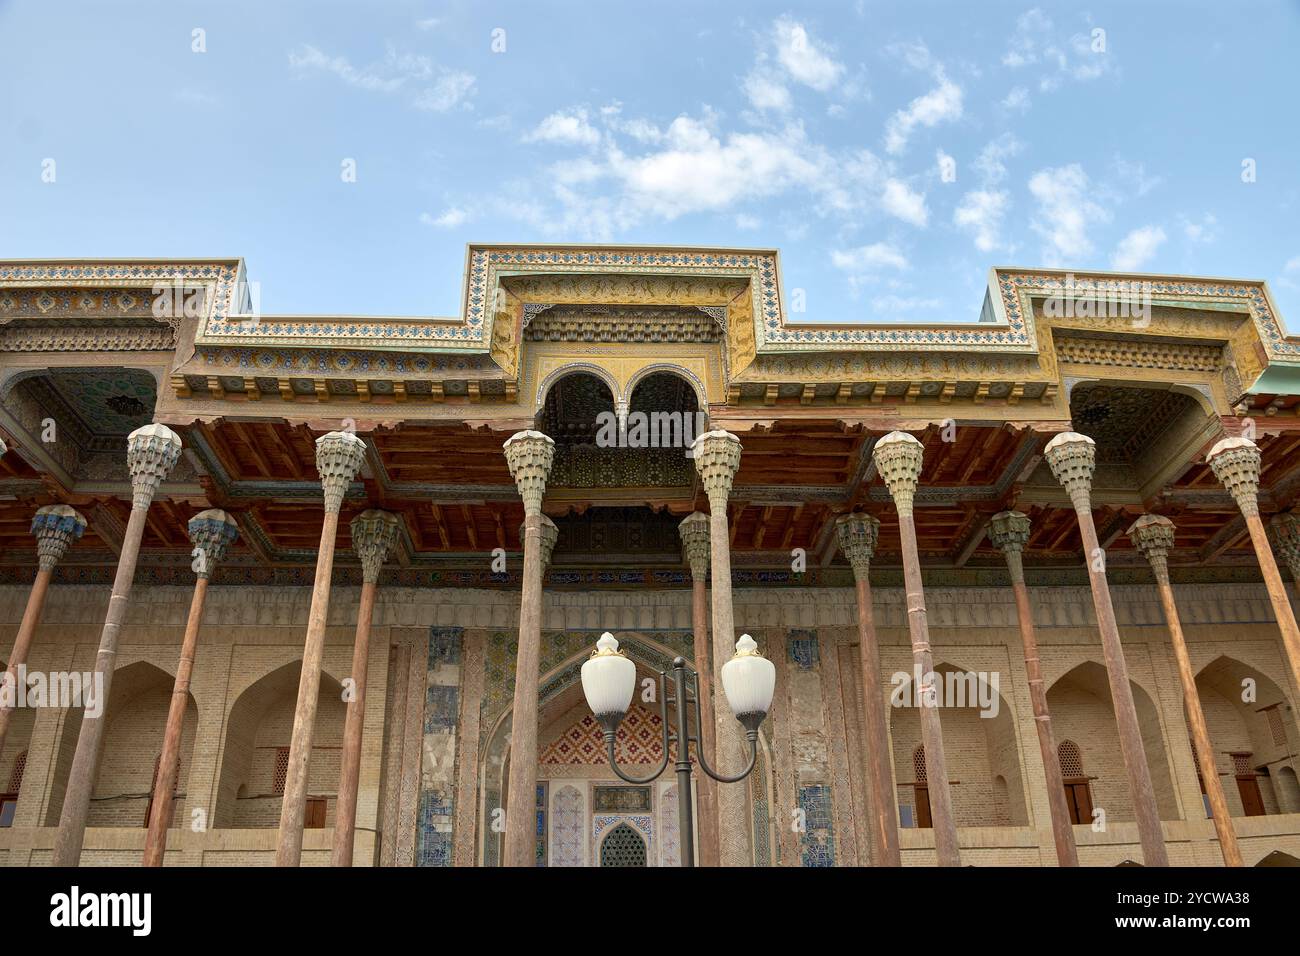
(822, 129)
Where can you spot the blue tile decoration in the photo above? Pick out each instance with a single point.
(435, 843)
(441, 709)
(541, 825)
(803, 649)
(444, 645)
(818, 838)
(436, 817)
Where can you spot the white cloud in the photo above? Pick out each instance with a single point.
(1205, 231)
(767, 92)
(991, 161)
(901, 201)
(1290, 277)
(1066, 213)
(448, 91)
(428, 23)
(562, 127)
(697, 171)
(980, 212)
(806, 60)
(1017, 99)
(450, 218)
(641, 130)
(1136, 249)
(1035, 43)
(386, 76)
(1135, 175)
(433, 88)
(941, 104)
(1031, 29)
(870, 259)
(744, 221)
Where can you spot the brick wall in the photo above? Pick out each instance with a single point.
(245, 681)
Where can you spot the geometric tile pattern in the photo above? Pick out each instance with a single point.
(568, 829)
(639, 741)
(670, 851)
(602, 822)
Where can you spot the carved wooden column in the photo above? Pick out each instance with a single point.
(1284, 534)
(56, 528)
(1072, 458)
(694, 531)
(1009, 531)
(857, 534)
(211, 532)
(338, 459)
(898, 459)
(530, 455)
(1236, 463)
(151, 453)
(373, 535)
(1153, 535)
(717, 456)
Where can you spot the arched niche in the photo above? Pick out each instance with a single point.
(980, 746)
(1082, 711)
(259, 728)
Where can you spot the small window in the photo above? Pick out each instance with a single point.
(16, 777)
(1275, 726)
(281, 770)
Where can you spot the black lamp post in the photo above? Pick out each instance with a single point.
(748, 681)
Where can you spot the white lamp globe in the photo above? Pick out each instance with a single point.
(749, 680)
(608, 681)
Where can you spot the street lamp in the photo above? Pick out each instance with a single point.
(748, 681)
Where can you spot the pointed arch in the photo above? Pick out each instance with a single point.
(623, 846)
(259, 726)
(1083, 713)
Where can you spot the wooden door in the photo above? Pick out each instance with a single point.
(1078, 799)
(922, 788)
(314, 816)
(1252, 804)
(923, 806)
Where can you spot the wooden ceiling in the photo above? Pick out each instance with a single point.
(452, 488)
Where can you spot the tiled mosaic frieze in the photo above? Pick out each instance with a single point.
(818, 837)
(438, 767)
(220, 279)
